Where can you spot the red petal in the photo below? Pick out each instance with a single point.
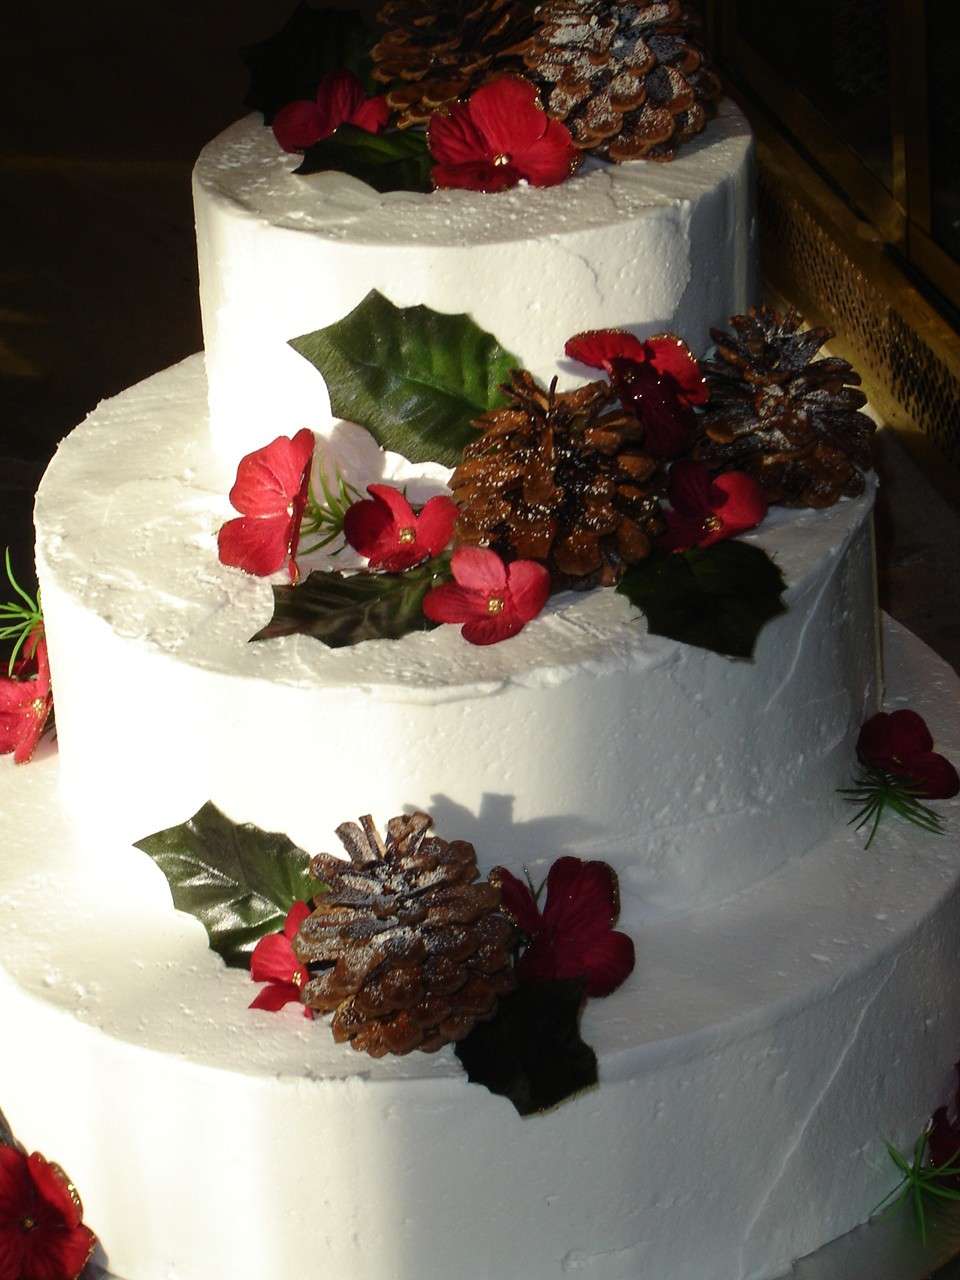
(670, 355)
(479, 569)
(32, 727)
(451, 603)
(269, 479)
(507, 115)
(479, 175)
(339, 95)
(888, 737)
(372, 114)
(582, 897)
(653, 398)
(273, 960)
(549, 161)
(492, 629)
(519, 902)
(435, 525)
(606, 963)
(934, 774)
(455, 140)
(275, 996)
(683, 532)
(690, 490)
(295, 918)
(52, 1185)
(597, 347)
(369, 526)
(528, 587)
(259, 546)
(400, 509)
(297, 126)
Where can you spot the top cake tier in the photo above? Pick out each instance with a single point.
(645, 246)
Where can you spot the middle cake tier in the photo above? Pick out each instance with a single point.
(691, 773)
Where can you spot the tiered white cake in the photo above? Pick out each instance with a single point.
(790, 1005)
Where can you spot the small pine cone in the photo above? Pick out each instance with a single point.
(625, 76)
(436, 51)
(789, 420)
(407, 949)
(561, 478)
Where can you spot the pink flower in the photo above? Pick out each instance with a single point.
(387, 530)
(707, 509)
(271, 493)
(900, 743)
(26, 703)
(493, 600)
(42, 1236)
(274, 962)
(573, 937)
(340, 100)
(499, 137)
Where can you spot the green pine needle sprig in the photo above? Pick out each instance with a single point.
(19, 617)
(877, 791)
(324, 520)
(921, 1184)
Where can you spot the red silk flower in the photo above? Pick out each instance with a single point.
(340, 100)
(42, 1236)
(707, 509)
(274, 962)
(387, 530)
(900, 743)
(26, 704)
(271, 494)
(573, 937)
(499, 137)
(493, 600)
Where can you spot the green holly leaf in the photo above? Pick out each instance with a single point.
(531, 1051)
(394, 161)
(717, 597)
(343, 609)
(237, 880)
(415, 378)
(315, 41)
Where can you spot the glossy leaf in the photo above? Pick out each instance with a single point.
(717, 597)
(343, 609)
(415, 378)
(394, 161)
(531, 1051)
(237, 880)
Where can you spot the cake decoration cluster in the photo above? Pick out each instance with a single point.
(26, 693)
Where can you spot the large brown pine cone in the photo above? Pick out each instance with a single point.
(435, 51)
(560, 477)
(786, 418)
(625, 76)
(406, 948)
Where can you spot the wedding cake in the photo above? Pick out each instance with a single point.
(793, 1001)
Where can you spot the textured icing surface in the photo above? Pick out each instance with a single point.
(642, 245)
(583, 733)
(779, 1036)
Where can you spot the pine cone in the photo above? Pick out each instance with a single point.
(439, 50)
(787, 419)
(404, 949)
(625, 76)
(559, 477)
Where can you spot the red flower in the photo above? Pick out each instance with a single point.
(387, 530)
(707, 509)
(340, 100)
(271, 493)
(900, 743)
(574, 935)
(498, 138)
(492, 599)
(274, 961)
(42, 1236)
(944, 1139)
(26, 704)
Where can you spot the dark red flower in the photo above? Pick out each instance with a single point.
(668, 354)
(500, 136)
(900, 743)
(492, 599)
(943, 1143)
(340, 100)
(707, 509)
(271, 493)
(573, 937)
(274, 962)
(387, 530)
(26, 703)
(42, 1236)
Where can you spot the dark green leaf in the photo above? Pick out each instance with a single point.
(341, 609)
(289, 65)
(531, 1051)
(716, 598)
(237, 880)
(394, 161)
(415, 378)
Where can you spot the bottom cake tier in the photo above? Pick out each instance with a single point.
(750, 1069)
